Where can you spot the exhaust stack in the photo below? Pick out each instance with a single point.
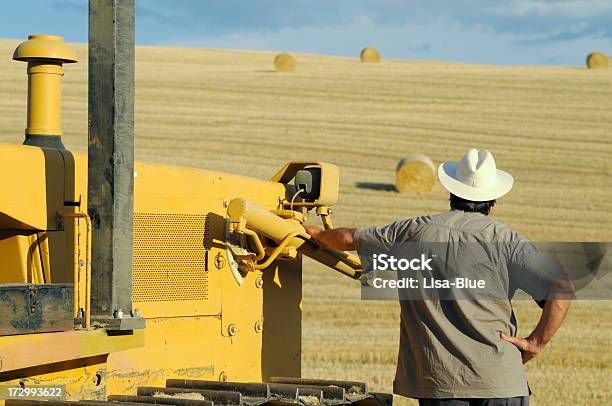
(45, 55)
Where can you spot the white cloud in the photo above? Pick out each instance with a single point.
(568, 8)
(441, 39)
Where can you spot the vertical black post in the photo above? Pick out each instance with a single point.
(111, 155)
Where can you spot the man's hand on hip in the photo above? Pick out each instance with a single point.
(528, 347)
(553, 313)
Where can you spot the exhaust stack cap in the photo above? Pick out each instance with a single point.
(44, 47)
(45, 55)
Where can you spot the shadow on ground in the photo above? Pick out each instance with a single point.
(385, 187)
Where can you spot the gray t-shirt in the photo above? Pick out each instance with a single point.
(452, 348)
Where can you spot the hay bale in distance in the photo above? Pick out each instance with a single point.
(597, 60)
(370, 55)
(416, 174)
(284, 62)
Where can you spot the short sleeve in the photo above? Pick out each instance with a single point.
(380, 239)
(532, 271)
(380, 236)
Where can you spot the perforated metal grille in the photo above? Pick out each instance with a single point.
(169, 258)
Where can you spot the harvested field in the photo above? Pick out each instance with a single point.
(550, 127)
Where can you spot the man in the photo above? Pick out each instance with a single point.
(465, 352)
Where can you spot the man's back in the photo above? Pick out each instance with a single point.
(452, 348)
(459, 343)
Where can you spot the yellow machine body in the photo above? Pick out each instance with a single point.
(216, 269)
(201, 323)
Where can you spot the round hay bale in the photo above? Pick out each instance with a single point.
(284, 62)
(370, 55)
(597, 60)
(415, 174)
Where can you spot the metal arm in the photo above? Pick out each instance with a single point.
(245, 215)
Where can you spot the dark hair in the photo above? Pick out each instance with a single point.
(458, 203)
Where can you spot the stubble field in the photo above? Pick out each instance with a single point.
(229, 111)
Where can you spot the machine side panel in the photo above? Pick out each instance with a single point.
(179, 239)
(282, 312)
(32, 187)
(193, 300)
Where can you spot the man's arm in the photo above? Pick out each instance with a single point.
(554, 311)
(338, 238)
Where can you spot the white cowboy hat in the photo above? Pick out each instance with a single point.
(475, 178)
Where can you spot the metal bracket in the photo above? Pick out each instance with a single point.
(125, 323)
(325, 213)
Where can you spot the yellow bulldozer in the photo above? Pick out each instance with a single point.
(128, 282)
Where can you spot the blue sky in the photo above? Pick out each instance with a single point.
(532, 32)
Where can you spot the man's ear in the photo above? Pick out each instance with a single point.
(493, 204)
